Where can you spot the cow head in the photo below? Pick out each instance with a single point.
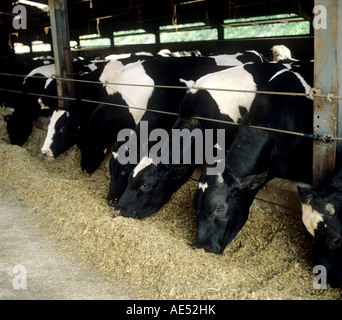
(221, 204)
(150, 188)
(61, 134)
(119, 174)
(322, 218)
(92, 152)
(19, 127)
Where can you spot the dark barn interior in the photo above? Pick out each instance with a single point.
(105, 17)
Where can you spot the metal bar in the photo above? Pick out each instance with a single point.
(326, 79)
(61, 47)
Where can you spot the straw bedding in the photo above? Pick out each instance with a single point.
(269, 259)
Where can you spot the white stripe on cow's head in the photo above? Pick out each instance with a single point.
(144, 162)
(51, 130)
(310, 218)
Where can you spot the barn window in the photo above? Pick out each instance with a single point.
(139, 36)
(266, 26)
(40, 46)
(93, 41)
(187, 32)
(21, 48)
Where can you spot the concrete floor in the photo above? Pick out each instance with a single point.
(33, 267)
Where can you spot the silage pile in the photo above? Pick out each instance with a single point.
(156, 256)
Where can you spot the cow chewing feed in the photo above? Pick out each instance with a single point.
(19, 124)
(58, 141)
(255, 157)
(162, 99)
(153, 186)
(322, 218)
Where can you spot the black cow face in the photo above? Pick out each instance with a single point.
(61, 134)
(19, 128)
(92, 154)
(322, 217)
(119, 179)
(149, 189)
(221, 205)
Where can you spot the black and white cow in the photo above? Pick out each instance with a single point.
(148, 72)
(65, 123)
(10, 63)
(151, 185)
(162, 99)
(19, 124)
(322, 218)
(222, 202)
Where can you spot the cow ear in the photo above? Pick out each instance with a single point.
(306, 194)
(253, 181)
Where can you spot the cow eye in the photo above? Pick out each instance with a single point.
(217, 210)
(144, 187)
(123, 171)
(61, 129)
(335, 243)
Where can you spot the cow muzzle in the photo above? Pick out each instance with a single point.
(47, 152)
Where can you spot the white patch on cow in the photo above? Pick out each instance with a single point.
(118, 56)
(135, 97)
(278, 73)
(310, 218)
(189, 84)
(47, 71)
(203, 186)
(287, 65)
(220, 178)
(256, 53)
(92, 66)
(304, 83)
(236, 78)
(115, 155)
(144, 162)
(46, 149)
(143, 53)
(330, 208)
(109, 71)
(42, 105)
(228, 59)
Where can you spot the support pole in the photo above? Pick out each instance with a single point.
(61, 47)
(326, 78)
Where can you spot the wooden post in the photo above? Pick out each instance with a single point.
(326, 78)
(61, 47)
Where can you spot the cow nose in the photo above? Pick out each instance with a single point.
(47, 152)
(117, 213)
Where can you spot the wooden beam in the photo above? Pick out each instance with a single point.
(326, 78)
(61, 47)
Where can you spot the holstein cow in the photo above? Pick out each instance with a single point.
(151, 185)
(162, 99)
(19, 124)
(222, 202)
(322, 218)
(94, 138)
(65, 123)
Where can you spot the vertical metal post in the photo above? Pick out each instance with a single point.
(326, 78)
(61, 47)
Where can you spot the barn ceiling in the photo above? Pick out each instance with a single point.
(89, 16)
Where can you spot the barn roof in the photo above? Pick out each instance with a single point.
(87, 16)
